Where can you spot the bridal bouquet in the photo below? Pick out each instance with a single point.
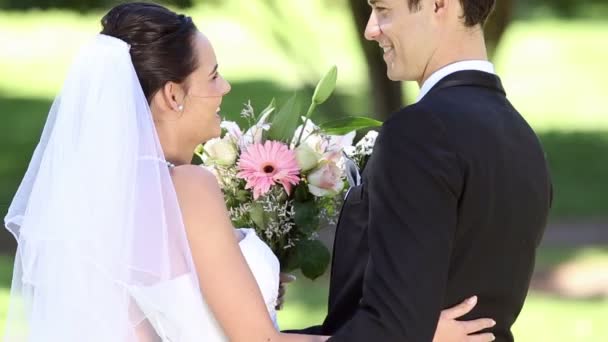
(285, 176)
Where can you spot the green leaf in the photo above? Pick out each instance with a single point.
(313, 258)
(301, 192)
(349, 124)
(285, 121)
(307, 217)
(257, 215)
(242, 195)
(289, 260)
(326, 86)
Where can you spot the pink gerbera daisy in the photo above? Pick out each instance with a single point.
(264, 165)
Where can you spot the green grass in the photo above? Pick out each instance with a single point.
(549, 257)
(578, 162)
(556, 319)
(551, 69)
(554, 72)
(546, 318)
(543, 318)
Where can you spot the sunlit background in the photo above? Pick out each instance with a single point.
(552, 59)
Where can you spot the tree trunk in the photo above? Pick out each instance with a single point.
(386, 95)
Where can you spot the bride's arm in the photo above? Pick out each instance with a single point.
(226, 281)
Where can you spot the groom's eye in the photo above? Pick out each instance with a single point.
(381, 10)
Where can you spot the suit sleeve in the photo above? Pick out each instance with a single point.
(314, 330)
(413, 184)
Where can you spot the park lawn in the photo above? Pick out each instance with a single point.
(543, 318)
(550, 68)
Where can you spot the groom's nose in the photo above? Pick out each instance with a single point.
(372, 30)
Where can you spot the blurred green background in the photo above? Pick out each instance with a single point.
(551, 57)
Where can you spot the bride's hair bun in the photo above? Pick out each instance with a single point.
(162, 42)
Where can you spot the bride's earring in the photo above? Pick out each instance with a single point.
(180, 108)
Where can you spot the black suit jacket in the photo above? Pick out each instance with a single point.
(454, 202)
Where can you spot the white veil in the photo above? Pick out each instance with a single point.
(96, 212)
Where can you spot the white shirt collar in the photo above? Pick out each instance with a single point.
(438, 75)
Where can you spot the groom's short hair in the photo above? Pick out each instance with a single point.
(475, 11)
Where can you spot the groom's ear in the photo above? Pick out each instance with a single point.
(440, 5)
(443, 10)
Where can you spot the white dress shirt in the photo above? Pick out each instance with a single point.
(438, 75)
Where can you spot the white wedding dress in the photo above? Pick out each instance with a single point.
(102, 247)
(176, 312)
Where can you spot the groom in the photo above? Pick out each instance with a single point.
(454, 199)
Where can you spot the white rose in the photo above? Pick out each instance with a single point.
(221, 152)
(325, 180)
(307, 158)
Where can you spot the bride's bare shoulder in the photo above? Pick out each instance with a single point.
(201, 202)
(194, 182)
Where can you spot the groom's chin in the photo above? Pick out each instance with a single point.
(393, 76)
(399, 74)
(393, 73)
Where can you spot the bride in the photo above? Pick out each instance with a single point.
(119, 238)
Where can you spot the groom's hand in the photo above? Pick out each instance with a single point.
(284, 278)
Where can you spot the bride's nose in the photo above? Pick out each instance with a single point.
(226, 88)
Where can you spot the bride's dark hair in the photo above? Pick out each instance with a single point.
(162, 42)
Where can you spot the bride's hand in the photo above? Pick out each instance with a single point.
(284, 279)
(449, 329)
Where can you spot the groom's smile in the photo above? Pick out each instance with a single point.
(389, 52)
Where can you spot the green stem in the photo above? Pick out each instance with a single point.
(202, 154)
(308, 114)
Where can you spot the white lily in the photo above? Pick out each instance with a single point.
(234, 131)
(252, 136)
(330, 147)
